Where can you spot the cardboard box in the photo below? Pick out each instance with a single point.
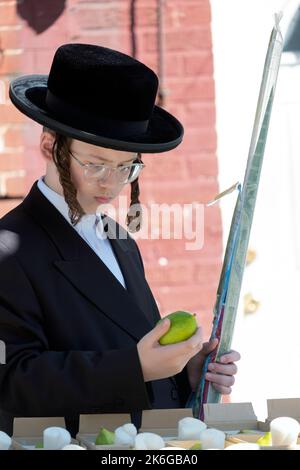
(233, 418)
(29, 431)
(162, 422)
(240, 423)
(90, 425)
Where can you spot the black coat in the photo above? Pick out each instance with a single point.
(69, 326)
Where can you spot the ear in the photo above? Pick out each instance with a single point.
(46, 144)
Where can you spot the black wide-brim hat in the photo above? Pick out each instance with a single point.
(99, 96)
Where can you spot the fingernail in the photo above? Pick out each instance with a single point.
(211, 367)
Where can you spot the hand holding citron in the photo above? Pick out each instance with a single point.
(183, 326)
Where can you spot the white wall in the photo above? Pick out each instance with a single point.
(268, 339)
(241, 30)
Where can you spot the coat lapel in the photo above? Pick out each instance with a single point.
(135, 281)
(89, 275)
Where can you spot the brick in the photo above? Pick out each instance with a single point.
(195, 38)
(206, 165)
(175, 273)
(10, 39)
(183, 271)
(8, 205)
(10, 162)
(184, 14)
(150, 59)
(212, 217)
(187, 40)
(186, 191)
(164, 248)
(8, 14)
(147, 248)
(207, 273)
(164, 167)
(10, 115)
(200, 114)
(31, 134)
(200, 63)
(100, 17)
(179, 297)
(101, 2)
(212, 245)
(171, 249)
(4, 88)
(204, 139)
(184, 89)
(146, 15)
(144, 3)
(13, 136)
(50, 39)
(28, 62)
(10, 63)
(180, 191)
(173, 64)
(105, 38)
(31, 177)
(42, 60)
(212, 213)
(192, 233)
(15, 187)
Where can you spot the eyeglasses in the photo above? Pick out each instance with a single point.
(124, 174)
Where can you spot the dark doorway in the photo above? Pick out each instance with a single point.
(40, 14)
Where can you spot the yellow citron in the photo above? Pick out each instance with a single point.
(183, 326)
(265, 440)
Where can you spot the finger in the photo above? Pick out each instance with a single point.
(221, 389)
(209, 346)
(192, 345)
(231, 356)
(225, 369)
(220, 379)
(195, 341)
(158, 331)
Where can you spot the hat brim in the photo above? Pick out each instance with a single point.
(28, 94)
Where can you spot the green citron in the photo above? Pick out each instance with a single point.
(39, 445)
(265, 440)
(105, 437)
(183, 326)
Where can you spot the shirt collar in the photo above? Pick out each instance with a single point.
(88, 220)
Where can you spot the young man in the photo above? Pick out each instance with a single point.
(76, 313)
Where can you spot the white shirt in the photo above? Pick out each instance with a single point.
(86, 228)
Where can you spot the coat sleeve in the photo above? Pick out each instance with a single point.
(36, 381)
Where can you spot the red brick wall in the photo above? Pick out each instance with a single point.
(187, 279)
(11, 123)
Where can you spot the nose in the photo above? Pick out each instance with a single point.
(107, 187)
